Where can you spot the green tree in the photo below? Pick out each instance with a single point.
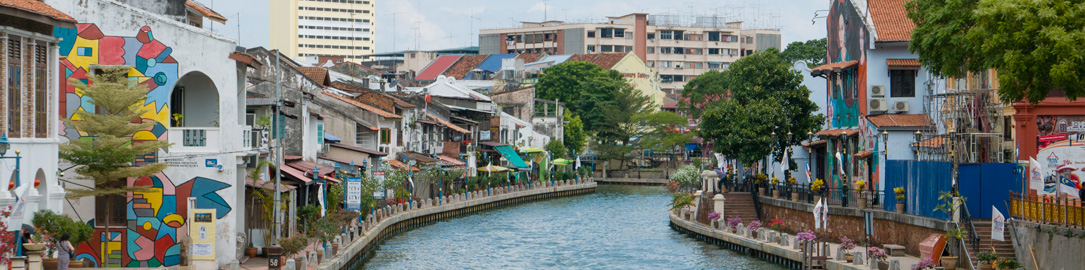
(622, 122)
(574, 133)
(766, 97)
(556, 148)
(1034, 45)
(660, 134)
(706, 88)
(107, 157)
(564, 82)
(812, 52)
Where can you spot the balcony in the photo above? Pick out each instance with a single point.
(194, 139)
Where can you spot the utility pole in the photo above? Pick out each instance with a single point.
(278, 148)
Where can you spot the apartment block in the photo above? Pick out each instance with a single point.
(339, 28)
(678, 49)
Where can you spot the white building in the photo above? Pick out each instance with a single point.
(340, 28)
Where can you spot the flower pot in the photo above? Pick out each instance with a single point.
(251, 252)
(335, 248)
(75, 264)
(949, 262)
(49, 263)
(761, 191)
(900, 208)
(775, 194)
(987, 267)
(882, 265)
(34, 246)
(795, 196)
(849, 257)
(817, 198)
(861, 203)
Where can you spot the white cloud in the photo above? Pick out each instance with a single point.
(539, 7)
(413, 30)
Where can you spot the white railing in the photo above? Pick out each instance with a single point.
(195, 139)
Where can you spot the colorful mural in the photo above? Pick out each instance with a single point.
(152, 65)
(1062, 154)
(847, 41)
(156, 221)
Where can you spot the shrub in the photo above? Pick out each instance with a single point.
(876, 254)
(292, 245)
(1008, 263)
(681, 200)
(987, 257)
(847, 244)
(754, 225)
(776, 224)
(714, 216)
(926, 263)
(733, 222)
(806, 236)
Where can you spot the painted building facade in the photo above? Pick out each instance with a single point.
(187, 71)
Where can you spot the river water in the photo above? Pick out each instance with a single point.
(617, 227)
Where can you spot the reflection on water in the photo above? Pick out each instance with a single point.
(618, 227)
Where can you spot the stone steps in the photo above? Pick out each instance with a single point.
(1001, 248)
(739, 204)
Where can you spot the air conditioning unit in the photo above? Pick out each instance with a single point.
(678, 65)
(900, 106)
(878, 105)
(877, 91)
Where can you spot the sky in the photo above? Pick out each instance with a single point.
(437, 24)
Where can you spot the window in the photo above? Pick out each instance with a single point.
(679, 50)
(665, 50)
(607, 48)
(362, 136)
(651, 49)
(713, 51)
(651, 36)
(651, 63)
(714, 65)
(606, 32)
(15, 93)
(678, 35)
(386, 136)
(665, 34)
(618, 32)
(591, 34)
(713, 36)
(628, 48)
(591, 48)
(116, 204)
(902, 83)
(41, 94)
(665, 64)
(698, 51)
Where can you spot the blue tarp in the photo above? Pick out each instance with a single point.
(331, 138)
(922, 181)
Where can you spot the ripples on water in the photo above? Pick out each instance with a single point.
(617, 227)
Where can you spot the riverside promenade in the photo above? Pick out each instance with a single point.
(771, 250)
(633, 181)
(398, 218)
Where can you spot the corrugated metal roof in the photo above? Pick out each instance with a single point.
(437, 67)
(493, 64)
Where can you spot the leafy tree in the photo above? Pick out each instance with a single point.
(1034, 45)
(706, 88)
(564, 82)
(107, 157)
(623, 113)
(556, 148)
(812, 51)
(574, 133)
(660, 134)
(766, 97)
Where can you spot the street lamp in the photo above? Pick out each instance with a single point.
(4, 146)
(918, 139)
(885, 143)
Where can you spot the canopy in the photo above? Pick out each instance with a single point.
(531, 150)
(331, 138)
(511, 155)
(492, 169)
(561, 161)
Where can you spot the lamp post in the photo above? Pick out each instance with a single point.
(4, 146)
(809, 155)
(918, 143)
(772, 150)
(844, 160)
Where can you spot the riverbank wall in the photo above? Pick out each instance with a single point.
(633, 181)
(395, 219)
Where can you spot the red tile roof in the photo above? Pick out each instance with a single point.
(900, 120)
(318, 74)
(834, 67)
(206, 11)
(902, 63)
(464, 66)
(436, 68)
(364, 106)
(37, 7)
(248, 59)
(529, 57)
(890, 20)
(836, 132)
(449, 124)
(603, 60)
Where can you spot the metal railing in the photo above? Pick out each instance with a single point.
(1048, 210)
(964, 248)
(966, 222)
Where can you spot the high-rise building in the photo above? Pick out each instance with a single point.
(339, 28)
(677, 48)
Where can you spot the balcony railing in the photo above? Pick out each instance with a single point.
(195, 139)
(1048, 210)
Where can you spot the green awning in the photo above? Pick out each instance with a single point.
(511, 155)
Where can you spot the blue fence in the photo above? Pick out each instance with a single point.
(928, 178)
(986, 185)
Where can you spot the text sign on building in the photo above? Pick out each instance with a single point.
(354, 193)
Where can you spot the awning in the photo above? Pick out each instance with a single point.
(307, 166)
(268, 185)
(402, 166)
(863, 154)
(331, 138)
(814, 143)
(898, 64)
(421, 158)
(531, 150)
(296, 174)
(837, 132)
(561, 161)
(834, 67)
(511, 156)
(449, 125)
(449, 161)
(358, 149)
(493, 144)
(492, 168)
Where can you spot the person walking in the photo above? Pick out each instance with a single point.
(65, 252)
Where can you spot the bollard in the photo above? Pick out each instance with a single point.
(290, 265)
(313, 258)
(857, 258)
(300, 262)
(235, 265)
(274, 257)
(784, 241)
(18, 263)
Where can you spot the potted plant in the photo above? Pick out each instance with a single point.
(714, 216)
(816, 187)
(987, 260)
(791, 182)
(948, 206)
(805, 238)
(733, 222)
(753, 226)
(776, 225)
(681, 200)
(847, 245)
(293, 245)
(1008, 264)
(900, 192)
(878, 255)
(775, 191)
(926, 263)
(860, 189)
(50, 228)
(760, 178)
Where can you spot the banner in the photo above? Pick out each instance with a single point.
(819, 215)
(998, 224)
(354, 193)
(1036, 177)
(784, 164)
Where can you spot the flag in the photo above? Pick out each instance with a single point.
(809, 177)
(817, 215)
(784, 163)
(320, 200)
(1067, 187)
(840, 162)
(998, 224)
(1036, 176)
(577, 162)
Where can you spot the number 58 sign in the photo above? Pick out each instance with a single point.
(354, 193)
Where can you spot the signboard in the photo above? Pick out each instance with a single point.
(202, 229)
(484, 135)
(210, 163)
(998, 224)
(1061, 155)
(181, 163)
(354, 193)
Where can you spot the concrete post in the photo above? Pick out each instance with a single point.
(33, 259)
(18, 263)
(290, 265)
(717, 203)
(697, 203)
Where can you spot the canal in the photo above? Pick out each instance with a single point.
(617, 227)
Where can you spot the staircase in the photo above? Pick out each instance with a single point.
(1002, 248)
(738, 204)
